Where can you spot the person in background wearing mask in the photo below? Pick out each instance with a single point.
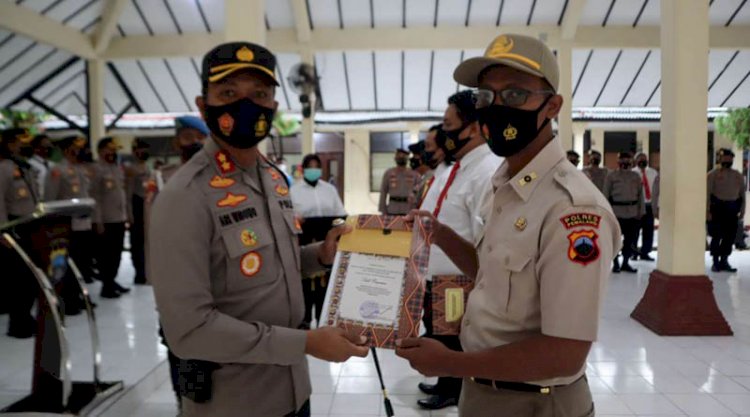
(317, 204)
(646, 227)
(137, 175)
(596, 174)
(574, 158)
(726, 205)
(225, 263)
(418, 165)
(456, 200)
(397, 186)
(18, 198)
(624, 190)
(542, 263)
(42, 147)
(108, 189)
(435, 158)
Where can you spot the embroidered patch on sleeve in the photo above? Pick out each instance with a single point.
(581, 219)
(583, 248)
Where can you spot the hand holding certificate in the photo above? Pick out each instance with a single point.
(377, 283)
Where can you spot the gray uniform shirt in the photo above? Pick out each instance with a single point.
(108, 189)
(624, 190)
(18, 194)
(396, 190)
(66, 181)
(226, 269)
(726, 184)
(597, 175)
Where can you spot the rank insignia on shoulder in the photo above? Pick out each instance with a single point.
(581, 219)
(584, 248)
(16, 173)
(250, 264)
(221, 182)
(231, 200)
(224, 162)
(282, 190)
(274, 174)
(297, 223)
(249, 238)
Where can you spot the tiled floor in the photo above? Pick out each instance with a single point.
(632, 371)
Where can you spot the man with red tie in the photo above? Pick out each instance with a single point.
(648, 176)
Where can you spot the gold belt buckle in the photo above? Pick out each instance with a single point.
(545, 391)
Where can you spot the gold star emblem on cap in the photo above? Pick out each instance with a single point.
(510, 132)
(521, 223)
(502, 45)
(244, 54)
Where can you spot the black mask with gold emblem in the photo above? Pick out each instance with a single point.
(241, 124)
(509, 130)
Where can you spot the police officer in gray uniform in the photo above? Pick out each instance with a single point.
(596, 174)
(726, 205)
(224, 259)
(108, 189)
(397, 186)
(624, 191)
(137, 175)
(18, 198)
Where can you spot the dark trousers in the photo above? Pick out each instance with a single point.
(647, 231)
(304, 411)
(315, 293)
(20, 289)
(83, 251)
(138, 240)
(629, 228)
(723, 227)
(111, 245)
(449, 387)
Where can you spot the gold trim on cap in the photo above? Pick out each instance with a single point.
(226, 69)
(515, 57)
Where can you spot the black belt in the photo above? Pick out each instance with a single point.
(519, 386)
(399, 199)
(623, 203)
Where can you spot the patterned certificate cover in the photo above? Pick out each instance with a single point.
(450, 293)
(412, 293)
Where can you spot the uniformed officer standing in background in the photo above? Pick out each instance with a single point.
(40, 160)
(136, 179)
(224, 259)
(624, 190)
(436, 158)
(110, 214)
(596, 174)
(456, 199)
(397, 186)
(18, 198)
(542, 264)
(726, 205)
(646, 227)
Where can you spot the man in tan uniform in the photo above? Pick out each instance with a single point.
(18, 198)
(397, 186)
(224, 259)
(596, 174)
(624, 191)
(108, 189)
(541, 267)
(137, 175)
(726, 205)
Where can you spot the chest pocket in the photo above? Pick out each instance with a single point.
(250, 255)
(509, 281)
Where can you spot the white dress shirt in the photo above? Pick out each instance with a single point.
(320, 201)
(462, 208)
(651, 175)
(42, 167)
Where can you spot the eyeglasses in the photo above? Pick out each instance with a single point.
(513, 97)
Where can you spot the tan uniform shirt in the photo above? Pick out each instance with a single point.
(18, 194)
(726, 184)
(396, 190)
(597, 175)
(544, 259)
(226, 269)
(624, 190)
(108, 189)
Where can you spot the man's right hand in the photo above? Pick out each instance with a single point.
(439, 230)
(333, 344)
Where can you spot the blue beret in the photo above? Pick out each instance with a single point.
(191, 122)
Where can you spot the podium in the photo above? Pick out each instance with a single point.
(53, 390)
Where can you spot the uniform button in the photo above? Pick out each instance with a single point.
(527, 179)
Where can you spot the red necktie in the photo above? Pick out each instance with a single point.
(645, 184)
(444, 193)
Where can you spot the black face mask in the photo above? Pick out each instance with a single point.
(642, 164)
(111, 158)
(27, 151)
(143, 155)
(414, 163)
(595, 162)
(428, 158)
(401, 162)
(452, 144)
(727, 164)
(187, 152)
(242, 124)
(625, 165)
(508, 130)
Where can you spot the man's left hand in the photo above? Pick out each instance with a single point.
(427, 356)
(328, 249)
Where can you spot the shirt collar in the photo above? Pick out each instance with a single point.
(525, 182)
(474, 156)
(220, 159)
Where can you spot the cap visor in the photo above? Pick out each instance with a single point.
(242, 67)
(467, 73)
